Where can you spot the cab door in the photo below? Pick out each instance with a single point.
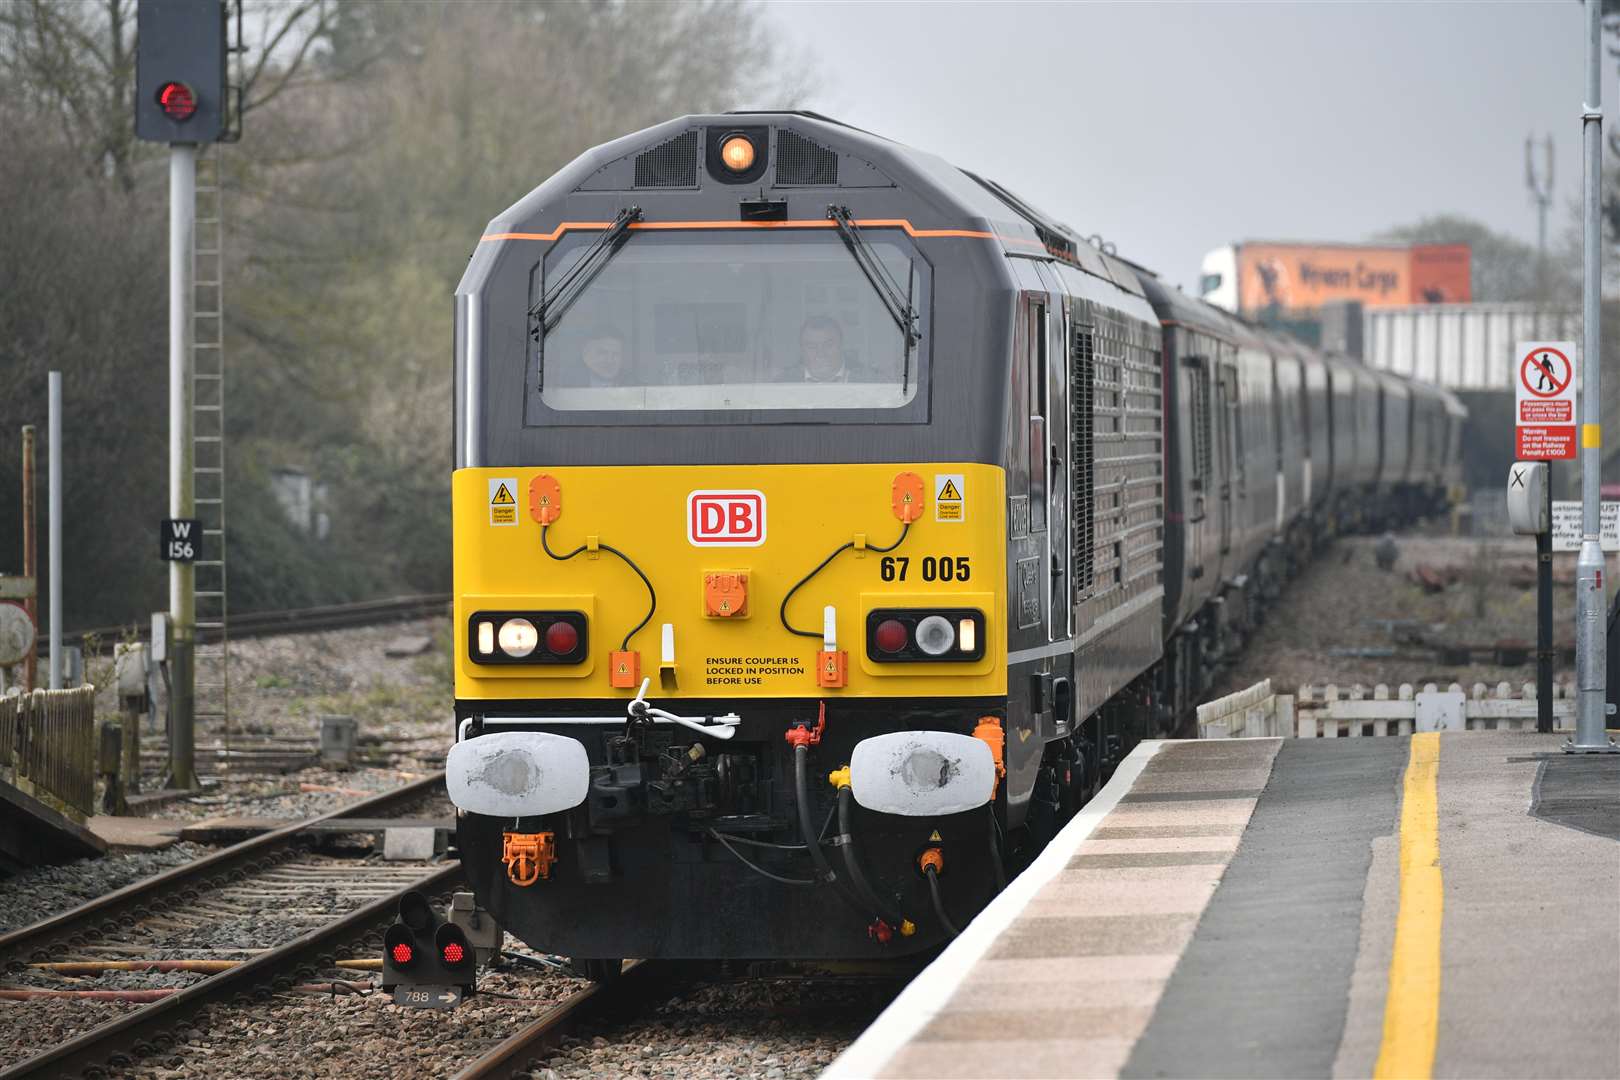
(1050, 371)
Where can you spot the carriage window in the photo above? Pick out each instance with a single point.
(778, 321)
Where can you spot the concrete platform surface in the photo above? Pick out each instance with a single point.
(1400, 907)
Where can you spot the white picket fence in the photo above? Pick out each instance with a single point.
(1331, 712)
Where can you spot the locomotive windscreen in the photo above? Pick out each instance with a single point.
(677, 321)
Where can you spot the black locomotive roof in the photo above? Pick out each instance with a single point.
(956, 198)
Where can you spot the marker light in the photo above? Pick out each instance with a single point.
(964, 635)
(561, 638)
(935, 635)
(737, 153)
(891, 635)
(486, 637)
(518, 637)
(180, 104)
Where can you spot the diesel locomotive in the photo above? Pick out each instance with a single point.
(829, 522)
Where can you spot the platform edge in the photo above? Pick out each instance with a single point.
(928, 993)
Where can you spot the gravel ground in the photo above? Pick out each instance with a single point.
(775, 1029)
(27, 1026)
(44, 891)
(771, 1028)
(282, 686)
(297, 1036)
(1340, 598)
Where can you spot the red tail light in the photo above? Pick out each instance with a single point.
(891, 635)
(562, 638)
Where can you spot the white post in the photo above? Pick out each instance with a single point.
(53, 437)
(182, 580)
(1591, 645)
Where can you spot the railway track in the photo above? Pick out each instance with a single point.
(260, 905)
(292, 621)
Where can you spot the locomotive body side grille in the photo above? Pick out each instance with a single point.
(803, 163)
(1082, 497)
(670, 164)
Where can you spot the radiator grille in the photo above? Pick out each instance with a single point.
(802, 163)
(1082, 494)
(670, 164)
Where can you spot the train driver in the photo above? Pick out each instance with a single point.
(601, 358)
(821, 354)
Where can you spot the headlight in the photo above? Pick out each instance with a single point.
(935, 635)
(517, 637)
(527, 637)
(925, 635)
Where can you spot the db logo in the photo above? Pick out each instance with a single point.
(725, 518)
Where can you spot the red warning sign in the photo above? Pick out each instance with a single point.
(1544, 414)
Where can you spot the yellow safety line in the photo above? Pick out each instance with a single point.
(1412, 1007)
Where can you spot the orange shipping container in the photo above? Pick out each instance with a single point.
(1304, 276)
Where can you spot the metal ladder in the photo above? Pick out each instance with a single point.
(213, 701)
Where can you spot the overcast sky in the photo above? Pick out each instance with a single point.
(1174, 128)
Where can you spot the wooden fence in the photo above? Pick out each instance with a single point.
(1331, 712)
(48, 747)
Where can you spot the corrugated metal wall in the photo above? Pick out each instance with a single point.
(1461, 346)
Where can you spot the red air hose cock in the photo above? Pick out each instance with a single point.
(804, 735)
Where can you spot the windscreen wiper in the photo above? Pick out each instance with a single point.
(551, 307)
(889, 291)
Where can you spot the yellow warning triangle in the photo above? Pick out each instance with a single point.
(949, 493)
(502, 497)
(934, 837)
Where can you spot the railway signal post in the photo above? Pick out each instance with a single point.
(181, 99)
(1591, 631)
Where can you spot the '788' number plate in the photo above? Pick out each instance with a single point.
(428, 997)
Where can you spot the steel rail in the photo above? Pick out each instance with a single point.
(107, 1049)
(20, 946)
(511, 1056)
(292, 620)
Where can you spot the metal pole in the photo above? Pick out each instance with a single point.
(182, 582)
(30, 553)
(53, 442)
(1591, 648)
(1544, 620)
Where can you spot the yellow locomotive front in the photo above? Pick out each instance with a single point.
(653, 645)
(732, 555)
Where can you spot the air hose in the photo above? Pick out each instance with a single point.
(812, 842)
(939, 902)
(846, 839)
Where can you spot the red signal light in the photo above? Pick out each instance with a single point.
(177, 101)
(891, 635)
(403, 953)
(453, 952)
(561, 638)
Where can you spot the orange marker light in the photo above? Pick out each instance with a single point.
(738, 153)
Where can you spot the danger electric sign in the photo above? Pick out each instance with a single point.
(1544, 409)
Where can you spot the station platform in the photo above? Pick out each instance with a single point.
(1404, 906)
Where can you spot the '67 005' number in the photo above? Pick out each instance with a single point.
(933, 567)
